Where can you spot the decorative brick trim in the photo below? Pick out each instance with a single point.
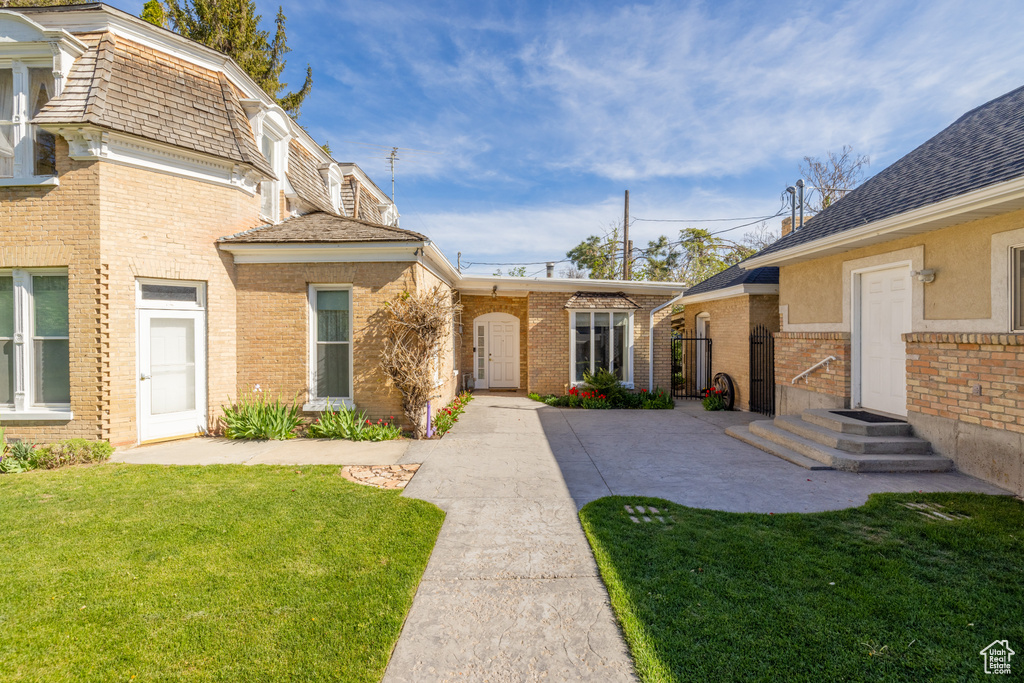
(838, 336)
(964, 338)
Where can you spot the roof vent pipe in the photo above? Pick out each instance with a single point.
(551, 269)
(800, 190)
(792, 204)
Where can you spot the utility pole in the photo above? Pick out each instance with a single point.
(625, 240)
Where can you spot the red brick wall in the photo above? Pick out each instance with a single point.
(944, 369)
(797, 351)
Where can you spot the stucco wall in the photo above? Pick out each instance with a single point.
(960, 255)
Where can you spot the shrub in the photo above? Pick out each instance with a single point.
(346, 423)
(603, 383)
(622, 399)
(16, 457)
(260, 418)
(71, 452)
(713, 399)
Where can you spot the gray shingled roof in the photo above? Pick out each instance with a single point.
(304, 176)
(736, 275)
(123, 86)
(600, 300)
(983, 147)
(322, 228)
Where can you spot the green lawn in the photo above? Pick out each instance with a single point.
(876, 593)
(226, 573)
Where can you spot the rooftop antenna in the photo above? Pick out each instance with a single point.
(391, 156)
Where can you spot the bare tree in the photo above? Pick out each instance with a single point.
(832, 178)
(760, 237)
(572, 272)
(413, 328)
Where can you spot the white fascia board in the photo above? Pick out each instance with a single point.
(729, 292)
(140, 31)
(364, 252)
(988, 201)
(434, 259)
(472, 284)
(58, 36)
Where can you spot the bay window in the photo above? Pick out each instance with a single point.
(25, 150)
(330, 345)
(35, 359)
(601, 340)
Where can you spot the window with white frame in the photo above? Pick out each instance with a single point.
(1017, 284)
(268, 188)
(25, 150)
(601, 339)
(331, 343)
(35, 367)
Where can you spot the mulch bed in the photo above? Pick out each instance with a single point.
(380, 476)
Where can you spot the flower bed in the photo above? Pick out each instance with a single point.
(21, 456)
(259, 418)
(445, 418)
(623, 399)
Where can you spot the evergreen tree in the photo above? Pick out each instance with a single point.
(233, 27)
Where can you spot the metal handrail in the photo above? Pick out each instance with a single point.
(814, 367)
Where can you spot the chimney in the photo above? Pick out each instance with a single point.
(551, 269)
(787, 225)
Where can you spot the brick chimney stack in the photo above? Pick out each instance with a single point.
(787, 225)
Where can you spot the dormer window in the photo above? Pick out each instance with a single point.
(268, 188)
(25, 150)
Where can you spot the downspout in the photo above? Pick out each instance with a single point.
(650, 340)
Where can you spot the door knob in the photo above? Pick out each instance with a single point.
(145, 376)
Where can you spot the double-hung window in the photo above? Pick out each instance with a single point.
(35, 367)
(25, 150)
(602, 340)
(330, 345)
(1017, 287)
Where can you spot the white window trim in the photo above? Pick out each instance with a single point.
(318, 403)
(1016, 294)
(629, 384)
(23, 408)
(24, 156)
(199, 305)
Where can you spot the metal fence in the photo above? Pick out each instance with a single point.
(691, 366)
(762, 371)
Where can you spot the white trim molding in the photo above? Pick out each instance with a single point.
(988, 201)
(753, 289)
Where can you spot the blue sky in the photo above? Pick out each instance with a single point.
(541, 114)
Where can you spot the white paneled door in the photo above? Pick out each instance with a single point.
(885, 315)
(502, 355)
(172, 374)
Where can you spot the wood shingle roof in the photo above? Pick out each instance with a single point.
(323, 228)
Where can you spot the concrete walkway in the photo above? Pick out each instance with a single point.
(511, 592)
(216, 451)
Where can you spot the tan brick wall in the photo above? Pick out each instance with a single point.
(161, 226)
(474, 306)
(273, 329)
(59, 227)
(549, 342)
(797, 351)
(944, 369)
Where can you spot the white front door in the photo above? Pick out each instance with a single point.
(885, 315)
(172, 373)
(502, 355)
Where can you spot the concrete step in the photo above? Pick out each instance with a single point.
(853, 443)
(850, 462)
(848, 425)
(742, 433)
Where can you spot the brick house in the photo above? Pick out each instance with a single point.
(171, 238)
(913, 284)
(726, 308)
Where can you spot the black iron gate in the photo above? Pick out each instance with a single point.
(691, 366)
(762, 371)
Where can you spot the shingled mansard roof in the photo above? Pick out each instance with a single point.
(323, 228)
(304, 176)
(129, 88)
(983, 147)
(736, 275)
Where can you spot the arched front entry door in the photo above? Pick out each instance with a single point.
(496, 351)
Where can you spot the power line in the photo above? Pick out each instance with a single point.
(703, 220)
